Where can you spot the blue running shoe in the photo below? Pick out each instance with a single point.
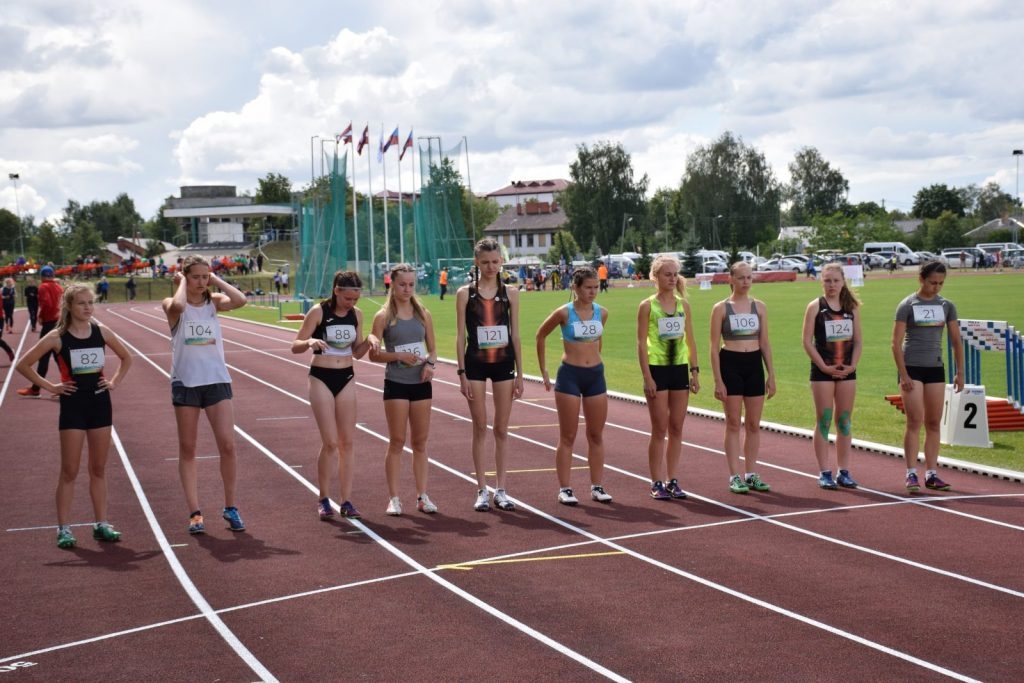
(826, 481)
(845, 480)
(934, 483)
(658, 491)
(349, 510)
(195, 524)
(674, 490)
(912, 484)
(235, 522)
(324, 509)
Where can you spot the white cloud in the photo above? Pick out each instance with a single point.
(142, 97)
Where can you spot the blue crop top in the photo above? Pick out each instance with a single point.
(576, 330)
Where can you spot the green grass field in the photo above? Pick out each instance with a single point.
(987, 296)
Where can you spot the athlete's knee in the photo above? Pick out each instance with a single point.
(825, 422)
(845, 423)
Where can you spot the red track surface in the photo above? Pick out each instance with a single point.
(796, 584)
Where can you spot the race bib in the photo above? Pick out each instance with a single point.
(86, 361)
(419, 348)
(744, 324)
(199, 333)
(838, 330)
(492, 336)
(589, 330)
(929, 316)
(340, 336)
(671, 328)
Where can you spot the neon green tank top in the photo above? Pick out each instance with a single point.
(666, 334)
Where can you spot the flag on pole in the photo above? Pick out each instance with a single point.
(345, 136)
(407, 145)
(393, 140)
(380, 148)
(363, 141)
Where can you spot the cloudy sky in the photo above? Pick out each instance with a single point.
(143, 96)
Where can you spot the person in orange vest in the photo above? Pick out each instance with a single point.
(442, 280)
(602, 277)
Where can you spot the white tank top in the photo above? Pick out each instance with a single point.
(197, 350)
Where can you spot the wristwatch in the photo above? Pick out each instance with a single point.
(460, 371)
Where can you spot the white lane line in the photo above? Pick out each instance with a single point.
(698, 579)
(424, 571)
(205, 609)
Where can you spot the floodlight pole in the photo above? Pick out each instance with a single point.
(17, 207)
(1017, 154)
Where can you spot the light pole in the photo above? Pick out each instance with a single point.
(1017, 153)
(17, 207)
(626, 218)
(715, 242)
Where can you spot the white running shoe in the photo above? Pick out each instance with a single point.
(482, 504)
(565, 497)
(598, 494)
(502, 501)
(394, 507)
(424, 504)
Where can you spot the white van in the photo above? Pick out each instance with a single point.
(993, 247)
(905, 255)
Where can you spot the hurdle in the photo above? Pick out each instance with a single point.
(994, 335)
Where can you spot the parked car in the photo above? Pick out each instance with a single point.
(713, 264)
(887, 259)
(971, 254)
(782, 263)
(1013, 258)
(927, 256)
(858, 258)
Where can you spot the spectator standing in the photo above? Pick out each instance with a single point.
(129, 287)
(50, 293)
(442, 281)
(8, 292)
(602, 276)
(31, 294)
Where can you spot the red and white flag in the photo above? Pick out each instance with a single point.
(407, 145)
(345, 136)
(363, 141)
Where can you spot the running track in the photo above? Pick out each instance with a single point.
(796, 584)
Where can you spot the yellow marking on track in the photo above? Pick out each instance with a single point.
(466, 566)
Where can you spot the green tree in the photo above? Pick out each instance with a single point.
(10, 233)
(849, 233)
(944, 232)
(603, 192)
(47, 244)
(993, 203)
(662, 217)
(731, 180)
(932, 201)
(274, 188)
(815, 189)
(564, 247)
(477, 212)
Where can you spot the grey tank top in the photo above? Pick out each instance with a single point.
(405, 336)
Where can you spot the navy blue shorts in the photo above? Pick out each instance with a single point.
(200, 397)
(585, 382)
